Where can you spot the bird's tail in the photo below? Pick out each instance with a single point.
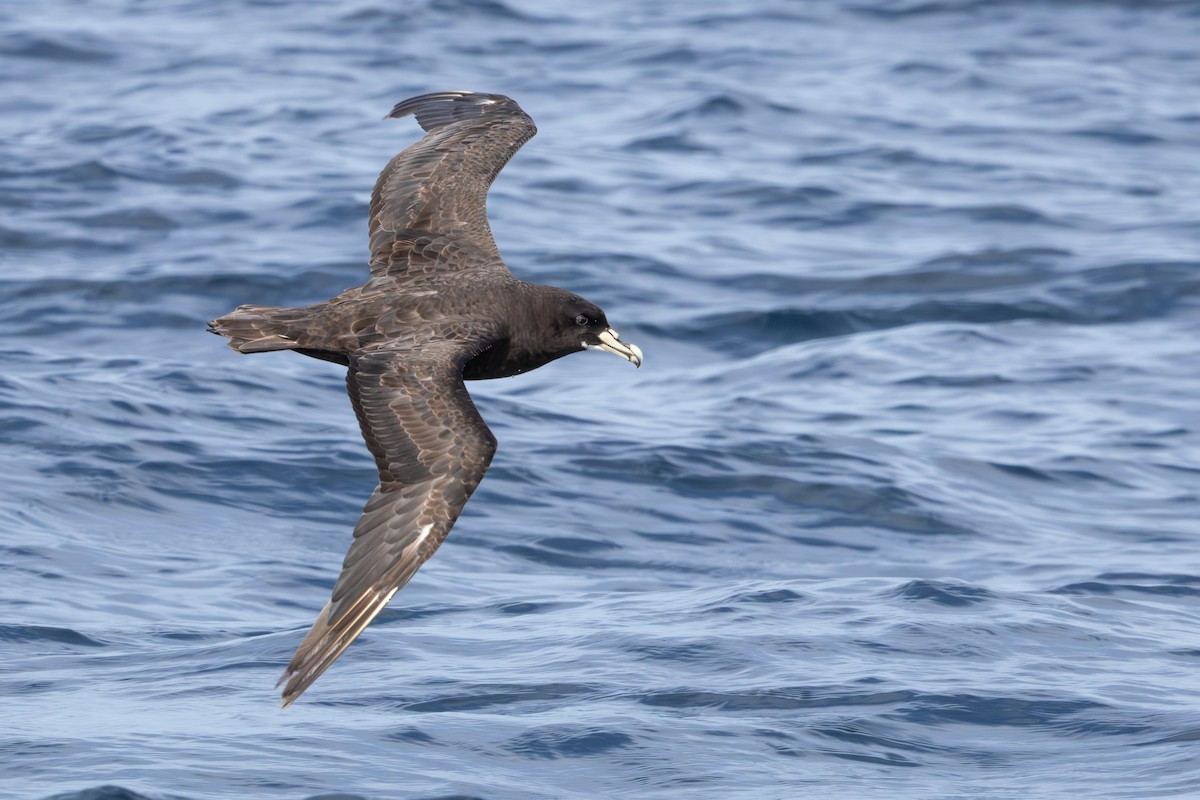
(257, 329)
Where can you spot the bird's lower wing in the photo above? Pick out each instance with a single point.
(431, 448)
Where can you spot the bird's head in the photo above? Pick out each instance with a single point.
(578, 324)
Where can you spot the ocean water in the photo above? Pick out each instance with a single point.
(903, 504)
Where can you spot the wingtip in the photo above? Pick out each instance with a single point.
(438, 109)
(290, 693)
(325, 642)
(412, 104)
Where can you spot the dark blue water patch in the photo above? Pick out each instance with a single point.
(1118, 135)
(552, 557)
(876, 212)
(140, 218)
(567, 741)
(1010, 269)
(906, 160)
(1111, 587)
(869, 735)
(90, 173)
(489, 9)
(998, 711)
(667, 144)
(944, 593)
(751, 194)
(567, 187)
(1024, 259)
(142, 135)
(653, 466)
(764, 472)
(750, 332)
(413, 735)
(587, 264)
(40, 637)
(681, 653)
(886, 759)
(67, 48)
(526, 697)
(975, 9)
(656, 55)
(184, 302)
(781, 699)
(1169, 578)
(1075, 478)
(328, 211)
(767, 596)
(719, 106)
(31, 239)
(749, 110)
(690, 538)
(112, 793)
(98, 175)
(523, 609)
(1184, 736)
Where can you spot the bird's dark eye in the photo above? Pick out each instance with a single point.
(582, 320)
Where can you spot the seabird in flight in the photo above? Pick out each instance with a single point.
(440, 308)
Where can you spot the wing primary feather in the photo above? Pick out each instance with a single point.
(308, 665)
(438, 109)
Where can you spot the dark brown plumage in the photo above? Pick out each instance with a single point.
(440, 308)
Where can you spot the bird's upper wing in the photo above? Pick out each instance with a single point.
(429, 207)
(431, 448)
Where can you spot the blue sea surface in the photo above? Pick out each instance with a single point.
(905, 502)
